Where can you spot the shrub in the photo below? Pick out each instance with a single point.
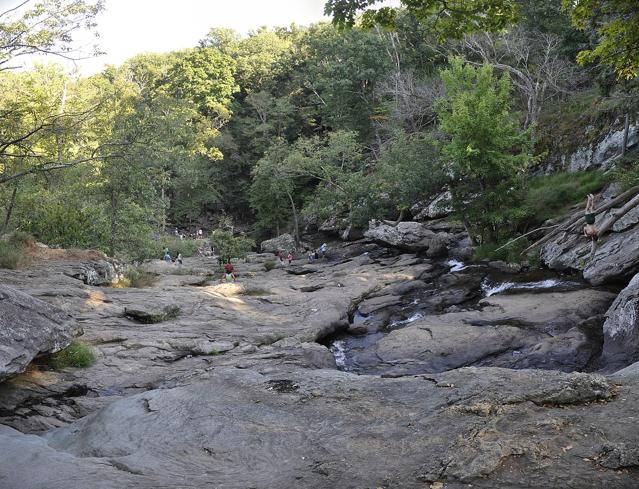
(227, 246)
(77, 354)
(12, 251)
(511, 253)
(269, 265)
(136, 278)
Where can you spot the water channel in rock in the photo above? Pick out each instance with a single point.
(454, 287)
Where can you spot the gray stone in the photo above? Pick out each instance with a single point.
(411, 236)
(621, 329)
(284, 243)
(28, 328)
(439, 207)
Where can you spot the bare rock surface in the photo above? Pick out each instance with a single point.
(235, 391)
(616, 257)
(28, 328)
(621, 329)
(411, 236)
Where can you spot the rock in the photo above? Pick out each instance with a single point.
(204, 347)
(28, 328)
(556, 330)
(284, 243)
(352, 233)
(437, 208)
(100, 272)
(461, 427)
(621, 329)
(502, 266)
(150, 316)
(411, 236)
(616, 257)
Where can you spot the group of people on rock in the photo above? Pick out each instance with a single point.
(289, 257)
(320, 252)
(167, 257)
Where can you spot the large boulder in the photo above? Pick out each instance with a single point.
(100, 272)
(284, 242)
(616, 257)
(28, 328)
(410, 236)
(621, 329)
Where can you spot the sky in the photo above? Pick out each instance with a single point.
(129, 27)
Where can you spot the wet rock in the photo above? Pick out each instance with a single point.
(549, 331)
(621, 329)
(30, 327)
(284, 243)
(502, 266)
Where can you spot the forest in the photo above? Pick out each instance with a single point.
(297, 128)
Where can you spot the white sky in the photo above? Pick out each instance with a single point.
(129, 27)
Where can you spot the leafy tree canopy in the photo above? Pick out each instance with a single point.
(450, 18)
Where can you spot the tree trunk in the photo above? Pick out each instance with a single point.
(608, 223)
(12, 202)
(295, 222)
(625, 135)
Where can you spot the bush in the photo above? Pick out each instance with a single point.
(77, 354)
(12, 251)
(227, 246)
(549, 196)
(269, 265)
(510, 254)
(188, 247)
(136, 278)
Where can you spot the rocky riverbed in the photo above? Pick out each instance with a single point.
(239, 389)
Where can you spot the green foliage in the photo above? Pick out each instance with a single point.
(137, 278)
(550, 196)
(617, 25)
(510, 253)
(11, 255)
(450, 19)
(228, 246)
(77, 354)
(269, 265)
(487, 149)
(188, 247)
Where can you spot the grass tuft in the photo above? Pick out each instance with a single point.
(77, 354)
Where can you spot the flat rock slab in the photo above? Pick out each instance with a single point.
(236, 429)
(28, 328)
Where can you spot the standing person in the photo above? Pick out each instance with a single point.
(290, 257)
(178, 260)
(590, 230)
(229, 272)
(167, 256)
(280, 256)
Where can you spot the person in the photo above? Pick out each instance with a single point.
(321, 252)
(199, 233)
(590, 230)
(229, 272)
(290, 257)
(178, 260)
(311, 256)
(167, 256)
(280, 256)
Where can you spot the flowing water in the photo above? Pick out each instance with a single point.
(356, 351)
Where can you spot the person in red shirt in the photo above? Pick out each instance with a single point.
(229, 272)
(290, 257)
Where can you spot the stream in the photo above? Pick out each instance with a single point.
(456, 287)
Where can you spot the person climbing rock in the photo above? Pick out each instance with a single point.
(590, 230)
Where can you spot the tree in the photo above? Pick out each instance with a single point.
(45, 27)
(450, 18)
(617, 25)
(486, 149)
(227, 246)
